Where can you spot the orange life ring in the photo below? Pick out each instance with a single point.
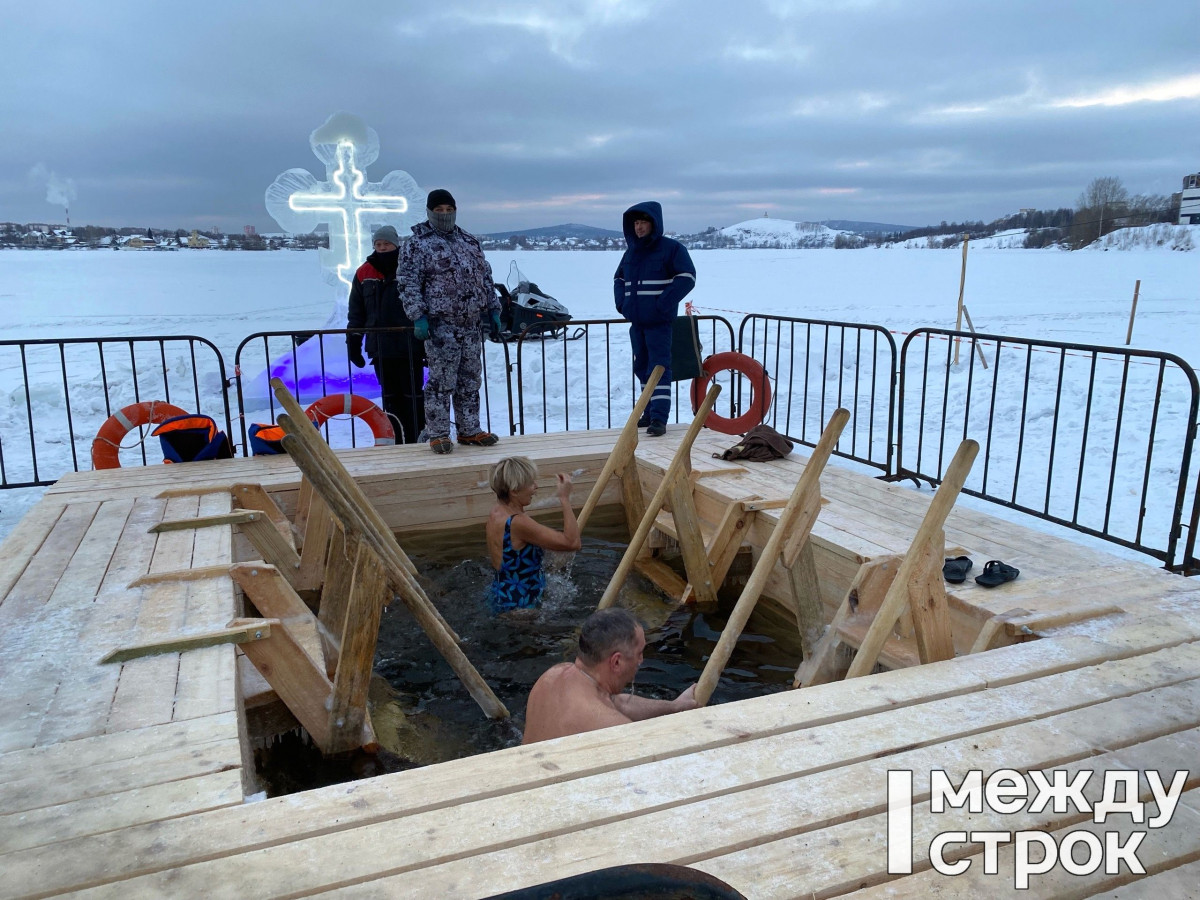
(321, 411)
(106, 445)
(760, 392)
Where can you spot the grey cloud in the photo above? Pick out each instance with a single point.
(536, 112)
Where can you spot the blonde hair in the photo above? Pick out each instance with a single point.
(511, 474)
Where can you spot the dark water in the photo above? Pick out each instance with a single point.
(421, 712)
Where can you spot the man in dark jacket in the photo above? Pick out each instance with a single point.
(449, 295)
(655, 273)
(398, 359)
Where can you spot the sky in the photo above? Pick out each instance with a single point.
(537, 113)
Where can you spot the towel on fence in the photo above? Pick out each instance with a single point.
(759, 444)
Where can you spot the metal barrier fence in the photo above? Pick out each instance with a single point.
(1053, 419)
(313, 364)
(818, 366)
(1098, 439)
(581, 377)
(69, 387)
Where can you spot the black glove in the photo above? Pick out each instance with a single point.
(355, 356)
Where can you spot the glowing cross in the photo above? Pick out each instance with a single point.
(346, 202)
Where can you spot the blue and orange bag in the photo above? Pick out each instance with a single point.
(192, 438)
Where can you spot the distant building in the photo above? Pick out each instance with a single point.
(248, 230)
(197, 241)
(1189, 200)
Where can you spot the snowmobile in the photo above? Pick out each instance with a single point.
(524, 307)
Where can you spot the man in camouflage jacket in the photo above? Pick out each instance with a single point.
(449, 296)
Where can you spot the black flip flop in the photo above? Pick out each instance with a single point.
(996, 573)
(956, 568)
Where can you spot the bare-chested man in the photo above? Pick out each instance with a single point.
(587, 694)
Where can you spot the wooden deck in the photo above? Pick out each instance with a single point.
(129, 780)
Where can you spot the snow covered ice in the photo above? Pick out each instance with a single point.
(1079, 297)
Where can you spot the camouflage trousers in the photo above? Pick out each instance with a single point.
(455, 374)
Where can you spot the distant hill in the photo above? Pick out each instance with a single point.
(865, 227)
(561, 232)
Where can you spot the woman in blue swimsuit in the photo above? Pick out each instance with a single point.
(515, 540)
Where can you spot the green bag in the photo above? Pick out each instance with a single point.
(686, 362)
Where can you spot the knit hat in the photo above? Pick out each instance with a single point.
(438, 197)
(386, 233)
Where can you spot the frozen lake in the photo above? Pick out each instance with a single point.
(1079, 297)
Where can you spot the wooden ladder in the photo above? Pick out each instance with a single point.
(886, 590)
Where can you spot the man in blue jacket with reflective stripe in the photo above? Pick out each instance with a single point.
(655, 273)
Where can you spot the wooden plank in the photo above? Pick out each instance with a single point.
(36, 656)
(121, 809)
(255, 630)
(743, 794)
(838, 859)
(23, 542)
(298, 680)
(237, 517)
(41, 575)
(348, 711)
(725, 543)
(171, 843)
(145, 693)
(1180, 881)
(335, 594)
(207, 678)
(272, 596)
(318, 525)
(870, 586)
(102, 779)
(661, 576)
(250, 495)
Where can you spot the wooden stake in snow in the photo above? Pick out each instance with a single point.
(1137, 286)
(962, 283)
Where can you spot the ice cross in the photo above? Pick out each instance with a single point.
(346, 202)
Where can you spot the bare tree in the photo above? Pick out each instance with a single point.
(1099, 210)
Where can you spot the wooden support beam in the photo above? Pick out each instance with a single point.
(681, 463)
(273, 597)
(321, 451)
(660, 575)
(927, 602)
(318, 526)
(622, 451)
(633, 499)
(691, 543)
(910, 570)
(866, 592)
(248, 495)
(274, 548)
(359, 633)
(806, 592)
(795, 522)
(298, 680)
(347, 503)
(335, 594)
(237, 517)
(245, 631)
(723, 548)
(340, 492)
